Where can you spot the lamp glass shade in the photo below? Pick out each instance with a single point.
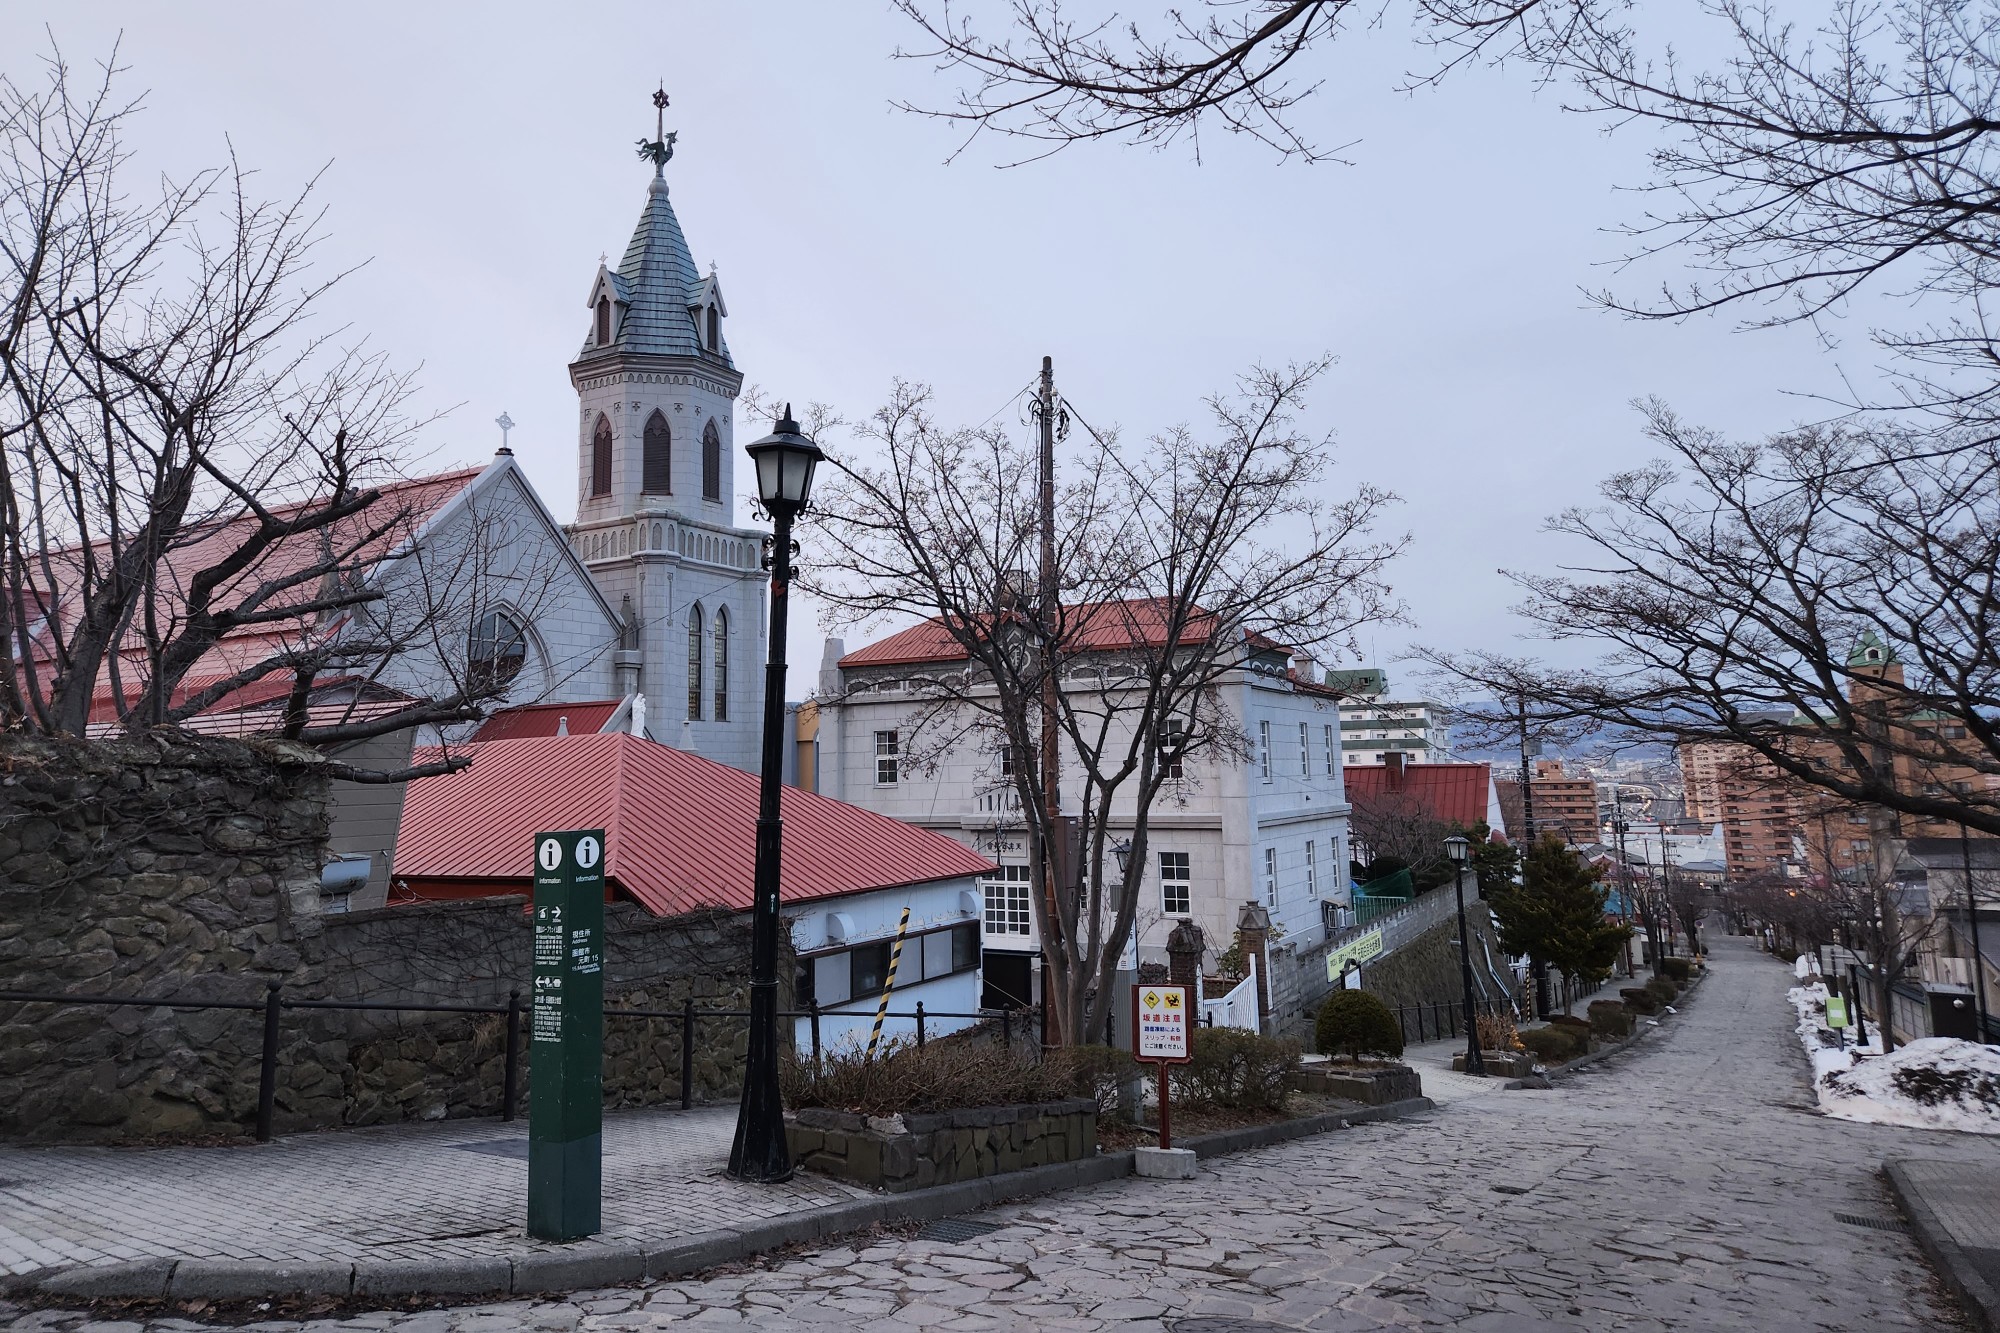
(785, 461)
(1458, 849)
(1123, 851)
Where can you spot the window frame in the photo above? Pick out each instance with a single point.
(718, 656)
(600, 457)
(1332, 748)
(1013, 889)
(1264, 748)
(479, 671)
(711, 462)
(889, 761)
(1178, 871)
(656, 456)
(1271, 876)
(695, 659)
(1305, 750)
(1312, 870)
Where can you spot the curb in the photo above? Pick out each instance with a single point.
(588, 1266)
(1974, 1292)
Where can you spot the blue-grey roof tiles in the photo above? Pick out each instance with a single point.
(658, 283)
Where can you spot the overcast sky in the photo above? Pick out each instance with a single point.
(480, 158)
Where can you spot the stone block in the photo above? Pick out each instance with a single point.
(145, 1279)
(231, 1279)
(1164, 1163)
(434, 1277)
(583, 1267)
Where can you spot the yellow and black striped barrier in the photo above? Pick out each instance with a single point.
(895, 960)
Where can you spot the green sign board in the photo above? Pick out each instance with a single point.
(566, 1038)
(1358, 950)
(1836, 1012)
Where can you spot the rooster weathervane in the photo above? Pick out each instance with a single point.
(659, 149)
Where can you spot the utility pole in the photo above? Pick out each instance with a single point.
(1527, 846)
(1618, 827)
(1972, 913)
(1054, 849)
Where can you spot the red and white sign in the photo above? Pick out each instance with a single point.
(1162, 1024)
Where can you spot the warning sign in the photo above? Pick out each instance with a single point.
(1162, 1024)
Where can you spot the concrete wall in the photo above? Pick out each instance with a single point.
(1426, 970)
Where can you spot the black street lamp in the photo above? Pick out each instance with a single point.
(1460, 851)
(785, 460)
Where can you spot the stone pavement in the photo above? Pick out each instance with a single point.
(447, 1189)
(1685, 1185)
(1955, 1210)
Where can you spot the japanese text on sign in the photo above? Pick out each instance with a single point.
(1163, 1023)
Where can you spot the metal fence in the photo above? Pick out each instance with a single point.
(688, 1016)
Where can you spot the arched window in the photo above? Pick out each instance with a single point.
(711, 462)
(694, 665)
(600, 457)
(603, 321)
(721, 646)
(714, 329)
(495, 651)
(659, 450)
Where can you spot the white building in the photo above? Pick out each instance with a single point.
(1272, 831)
(1374, 723)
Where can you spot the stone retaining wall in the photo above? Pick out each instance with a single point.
(188, 868)
(920, 1149)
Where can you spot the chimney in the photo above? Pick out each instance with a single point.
(1393, 761)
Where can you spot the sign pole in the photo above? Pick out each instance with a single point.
(1162, 1035)
(566, 1048)
(1166, 1111)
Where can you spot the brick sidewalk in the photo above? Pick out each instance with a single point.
(1961, 1201)
(441, 1190)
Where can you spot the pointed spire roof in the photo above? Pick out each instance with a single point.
(658, 288)
(1870, 651)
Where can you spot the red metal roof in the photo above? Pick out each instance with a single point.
(1455, 793)
(513, 724)
(680, 829)
(1092, 626)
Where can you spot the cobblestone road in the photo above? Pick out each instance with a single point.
(1684, 1186)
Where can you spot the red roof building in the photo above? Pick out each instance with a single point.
(1453, 793)
(559, 719)
(680, 830)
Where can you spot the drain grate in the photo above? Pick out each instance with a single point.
(1872, 1223)
(954, 1230)
(1222, 1324)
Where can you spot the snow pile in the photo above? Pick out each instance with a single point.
(1805, 966)
(1932, 1083)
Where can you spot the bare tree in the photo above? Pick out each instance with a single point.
(1180, 564)
(191, 474)
(1731, 585)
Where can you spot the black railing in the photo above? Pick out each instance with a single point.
(1420, 1023)
(688, 1016)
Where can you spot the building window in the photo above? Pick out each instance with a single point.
(1270, 876)
(1173, 742)
(694, 665)
(887, 756)
(720, 648)
(1176, 884)
(1331, 748)
(1312, 870)
(603, 321)
(600, 457)
(659, 457)
(945, 952)
(1014, 759)
(1264, 749)
(1007, 901)
(714, 329)
(495, 651)
(711, 462)
(1305, 750)
(868, 968)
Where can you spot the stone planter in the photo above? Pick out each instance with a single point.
(920, 1149)
(1371, 1085)
(1500, 1064)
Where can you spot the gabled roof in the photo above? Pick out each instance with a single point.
(1454, 793)
(680, 830)
(513, 724)
(657, 283)
(1138, 622)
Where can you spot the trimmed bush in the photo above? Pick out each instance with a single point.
(1354, 1023)
(1664, 987)
(1498, 1032)
(1640, 1000)
(1237, 1069)
(1680, 969)
(1576, 1027)
(1550, 1045)
(1609, 1018)
(945, 1075)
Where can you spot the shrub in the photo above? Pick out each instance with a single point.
(1551, 1045)
(1640, 1000)
(1497, 1032)
(1579, 1028)
(1236, 1068)
(1664, 987)
(1680, 969)
(942, 1075)
(1092, 1071)
(1609, 1018)
(1354, 1023)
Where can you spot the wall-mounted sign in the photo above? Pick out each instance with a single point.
(566, 1038)
(1355, 951)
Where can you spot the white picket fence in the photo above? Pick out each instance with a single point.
(1237, 1009)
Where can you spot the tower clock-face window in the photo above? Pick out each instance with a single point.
(659, 457)
(600, 457)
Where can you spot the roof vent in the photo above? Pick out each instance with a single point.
(839, 927)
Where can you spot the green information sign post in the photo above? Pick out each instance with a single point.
(566, 1046)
